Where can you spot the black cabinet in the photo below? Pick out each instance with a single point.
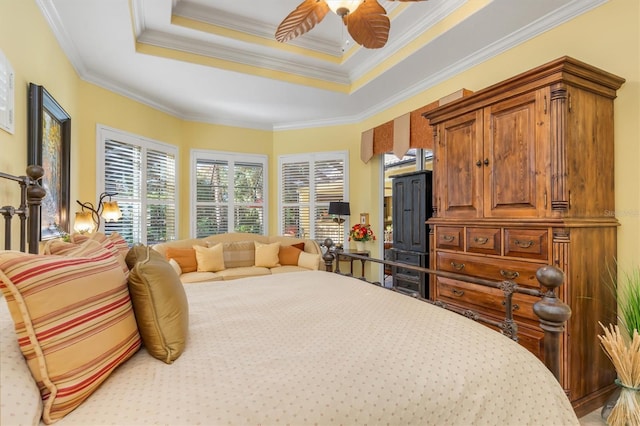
(411, 209)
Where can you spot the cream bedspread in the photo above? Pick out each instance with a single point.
(317, 348)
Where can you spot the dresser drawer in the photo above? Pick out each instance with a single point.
(485, 300)
(523, 273)
(449, 237)
(483, 240)
(529, 243)
(409, 258)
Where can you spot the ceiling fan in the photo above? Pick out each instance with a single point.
(366, 20)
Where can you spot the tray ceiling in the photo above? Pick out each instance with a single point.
(217, 61)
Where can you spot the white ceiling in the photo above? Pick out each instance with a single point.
(216, 61)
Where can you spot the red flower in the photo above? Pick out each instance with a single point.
(361, 233)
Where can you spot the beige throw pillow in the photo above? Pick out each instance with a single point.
(309, 261)
(267, 254)
(210, 259)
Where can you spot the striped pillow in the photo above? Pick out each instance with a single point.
(84, 245)
(238, 254)
(74, 322)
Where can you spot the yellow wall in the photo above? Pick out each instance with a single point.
(607, 37)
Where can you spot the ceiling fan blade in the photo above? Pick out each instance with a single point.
(368, 25)
(301, 20)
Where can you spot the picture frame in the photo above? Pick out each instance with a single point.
(49, 145)
(364, 218)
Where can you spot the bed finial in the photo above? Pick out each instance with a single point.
(553, 314)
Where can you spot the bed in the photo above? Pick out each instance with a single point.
(310, 348)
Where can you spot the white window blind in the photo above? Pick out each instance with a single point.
(230, 193)
(307, 184)
(143, 174)
(6, 95)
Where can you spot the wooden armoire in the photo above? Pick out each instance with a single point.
(411, 195)
(524, 177)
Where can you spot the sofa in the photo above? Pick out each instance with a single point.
(239, 255)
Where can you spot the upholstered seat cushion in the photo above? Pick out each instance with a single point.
(243, 272)
(197, 277)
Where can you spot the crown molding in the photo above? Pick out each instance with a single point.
(183, 44)
(50, 14)
(253, 27)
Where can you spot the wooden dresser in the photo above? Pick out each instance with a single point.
(524, 177)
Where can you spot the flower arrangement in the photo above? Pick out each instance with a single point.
(361, 232)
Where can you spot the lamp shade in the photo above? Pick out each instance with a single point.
(110, 211)
(84, 222)
(349, 5)
(340, 208)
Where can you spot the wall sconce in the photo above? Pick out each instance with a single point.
(89, 220)
(339, 208)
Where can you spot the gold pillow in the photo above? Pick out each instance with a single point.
(159, 302)
(73, 319)
(186, 258)
(309, 261)
(267, 254)
(210, 259)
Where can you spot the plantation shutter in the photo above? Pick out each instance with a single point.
(123, 175)
(230, 194)
(296, 191)
(212, 191)
(161, 197)
(308, 183)
(142, 173)
(248, 198)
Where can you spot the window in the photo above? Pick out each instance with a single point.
(230, 193)
(307, 183)
(143, 174)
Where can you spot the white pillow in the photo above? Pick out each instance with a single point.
(309, 260)
(20, 401)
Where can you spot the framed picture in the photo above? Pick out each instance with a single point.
(364, 218)
(49, 140)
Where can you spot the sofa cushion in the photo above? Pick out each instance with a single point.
(309, 261)
(159, 302)
(243, 272)
(287, 268)
(74, 322)
(210, 259)
(267, 254)
(239, 253)
(186, 258)
(288, 255)
(198, 277)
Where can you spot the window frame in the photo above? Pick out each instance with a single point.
(231, 158)
(311, 158)
(102, 134)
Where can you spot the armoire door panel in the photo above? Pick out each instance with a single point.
(461, 163)
(510, 158)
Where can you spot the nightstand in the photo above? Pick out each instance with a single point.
(343, 258)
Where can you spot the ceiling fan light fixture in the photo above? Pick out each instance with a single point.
(343, 7)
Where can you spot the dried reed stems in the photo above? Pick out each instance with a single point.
(626, 360)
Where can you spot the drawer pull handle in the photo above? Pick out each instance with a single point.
(515, 306)
(523, 244)
(457, 266)
(448, 238)
(481, 240)
(510, 275)
(479, 163)
(458, 292)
